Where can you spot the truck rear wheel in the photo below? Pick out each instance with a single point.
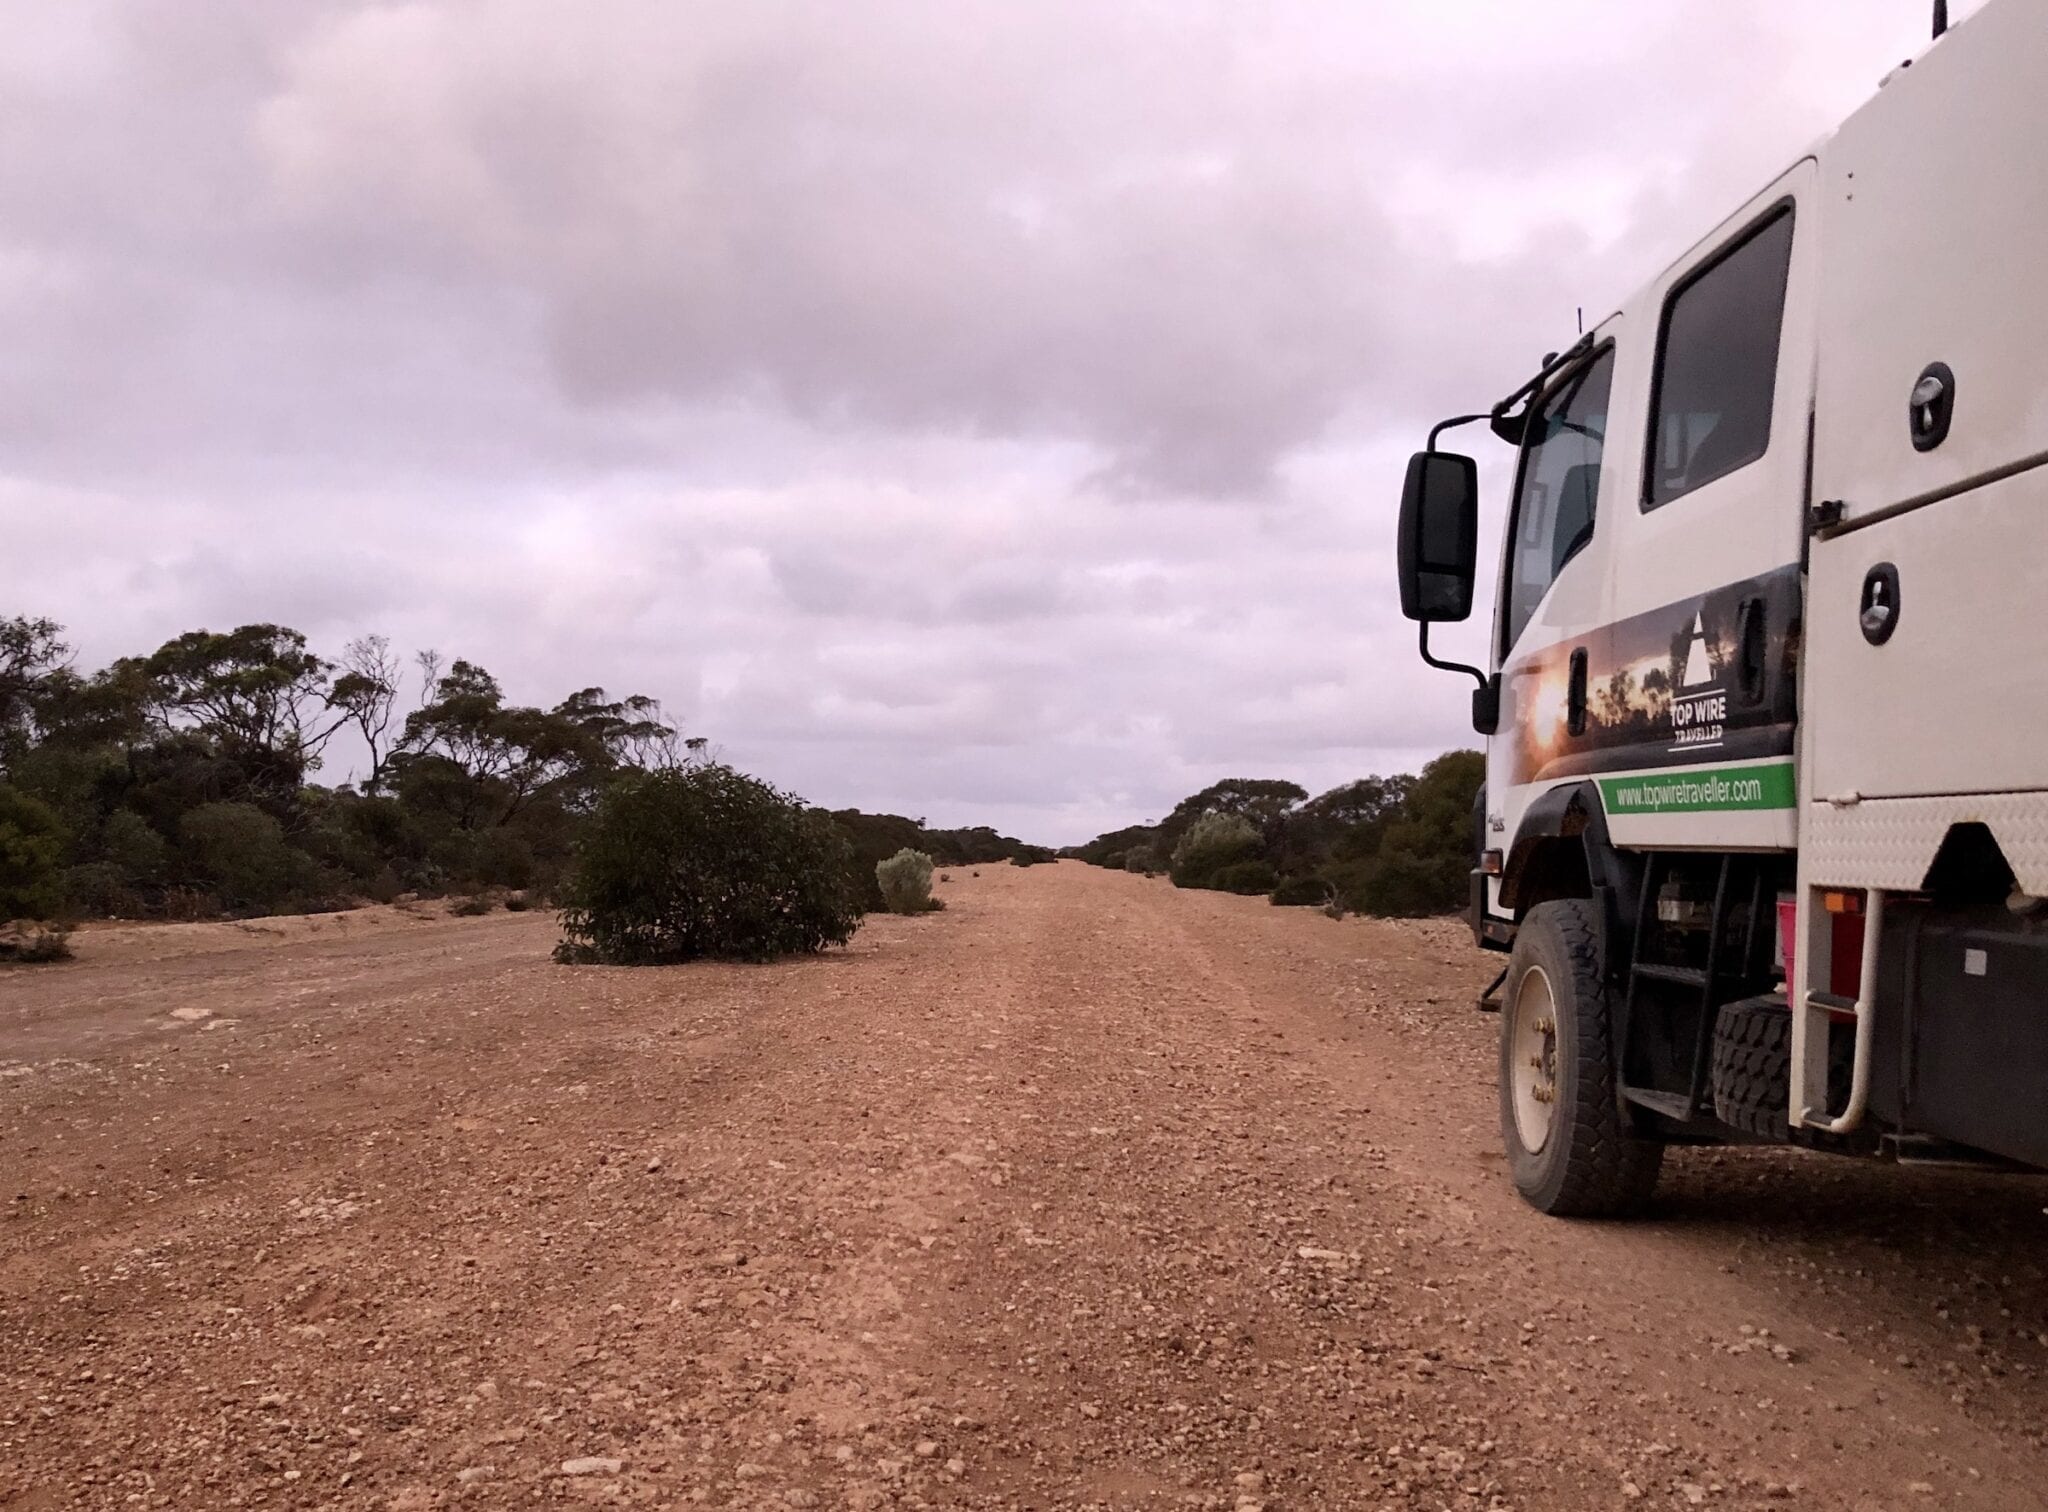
(1572, 1148)
(1753, 1070)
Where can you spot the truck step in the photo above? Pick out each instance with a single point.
(1684, 976)
(1670, 1104)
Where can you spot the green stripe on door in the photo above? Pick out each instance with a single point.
(1700, 791)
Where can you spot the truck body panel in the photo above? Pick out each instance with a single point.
(1936, 212)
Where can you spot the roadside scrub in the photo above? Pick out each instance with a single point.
(906, 883)
(705, 862)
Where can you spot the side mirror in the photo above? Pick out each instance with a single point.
(1439, 542)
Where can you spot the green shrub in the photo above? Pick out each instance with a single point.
(316, 888)
(100, 889)
(425, 879)
(1249, 878)
(186, 905)
(871, 840)
(128, 842)
(243, 852)
(1301, 892)
(1033, 855)
(31, 852)
(502, 858)
(705, 861)
(1113, 849)
(1143, 860)
(906, 882)
(1424, 859)
(1211, 843)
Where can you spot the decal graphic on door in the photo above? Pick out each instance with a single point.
(1699, 709)
(1708, 679)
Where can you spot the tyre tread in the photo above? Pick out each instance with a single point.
(1753, 1068)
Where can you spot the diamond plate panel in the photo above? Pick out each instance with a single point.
(1890, 842)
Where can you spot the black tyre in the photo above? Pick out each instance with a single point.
(1572, 1148)
(1753, 1069)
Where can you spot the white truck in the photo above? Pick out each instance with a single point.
(1765, 823)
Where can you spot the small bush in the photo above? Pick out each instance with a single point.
(384, 887)
(33, 944)
(706, 861)
(1033, 855)
(503, 858)
(472, 907)
(187, 905)
(1114, 861)
(1211, 843)
(906, 882)
(1248, 878)
(1301, 892)
(31, 851)
(129, 843)
(1143, 860)
(317, 889)
(242, 850)
(100, 889)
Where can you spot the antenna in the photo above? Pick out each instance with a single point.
(1582, 320)
(1940, 18)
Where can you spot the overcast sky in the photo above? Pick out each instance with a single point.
(990, 412)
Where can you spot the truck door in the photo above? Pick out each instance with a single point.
(1680, 702)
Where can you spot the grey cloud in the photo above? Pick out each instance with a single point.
(988, 410)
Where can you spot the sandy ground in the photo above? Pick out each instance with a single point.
(1084, 1193)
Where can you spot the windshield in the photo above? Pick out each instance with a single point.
(1560, 481)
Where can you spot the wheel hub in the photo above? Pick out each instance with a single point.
(1533, 1058)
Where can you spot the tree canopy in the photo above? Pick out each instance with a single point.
(181, 782)
(1386, 845)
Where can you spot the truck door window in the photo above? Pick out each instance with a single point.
(1717, 365)
(1560, 481)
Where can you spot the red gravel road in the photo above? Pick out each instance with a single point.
(1084, 1193)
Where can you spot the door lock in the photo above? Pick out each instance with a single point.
(1877, 610)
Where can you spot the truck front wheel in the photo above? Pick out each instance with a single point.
(1572, 1148)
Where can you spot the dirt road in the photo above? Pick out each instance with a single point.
(1084, 1193)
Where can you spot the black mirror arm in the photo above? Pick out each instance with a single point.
(1449, 666)
(1510, 418)
(1451, 424)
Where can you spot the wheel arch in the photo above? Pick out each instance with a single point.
(1561, 850)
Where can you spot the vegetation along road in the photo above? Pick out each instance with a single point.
(1087, 1192)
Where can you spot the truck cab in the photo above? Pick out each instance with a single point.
(1765, 824)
